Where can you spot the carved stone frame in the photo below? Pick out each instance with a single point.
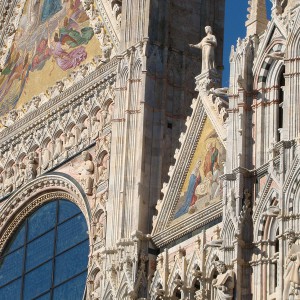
(163, 233)
(35, 194)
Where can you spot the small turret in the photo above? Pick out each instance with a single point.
(257, 17)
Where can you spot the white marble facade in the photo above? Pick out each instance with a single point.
(118, 136)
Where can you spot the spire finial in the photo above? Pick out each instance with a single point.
(257, 17)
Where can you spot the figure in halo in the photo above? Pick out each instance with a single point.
(208, 45)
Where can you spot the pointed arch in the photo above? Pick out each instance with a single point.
(293, 40)
(35, 193)
(228, 232)
(122, 291)
(156, 285)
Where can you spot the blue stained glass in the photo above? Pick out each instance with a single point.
(11, 266)
(39, 250)
(45, 236)
(17, 240)
(70, 233)
(44, 297)
(42, 220)
(67, 210)
(11, 291)
(71, 290)
(71, 262)
(38, 281)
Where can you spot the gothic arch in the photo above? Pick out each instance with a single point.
(34, 194)
(212, 256)
(108, 292)
(290, 205)
(156, 285)
(122, 292)
(267, 64)
(124, 72)
(193, 271)
(137, 68)
(293, 41)
(273, 75)
(266, 242)
(45, 141)
(94, 280)
(260, 217)
(175, 277)
(122, 86)
(228, 231)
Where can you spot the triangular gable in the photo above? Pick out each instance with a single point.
(293, 39)
(274, 35)
(53, 38)
(192, 198)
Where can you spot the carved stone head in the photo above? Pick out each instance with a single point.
(220, 266)
(86, 156)
(291, 237)
(208, 29)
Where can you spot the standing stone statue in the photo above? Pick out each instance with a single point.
(46, 158)
(291, 288)
(31, 166)
(224, 283)
(9, 181)
(87, 172)
(208, 45)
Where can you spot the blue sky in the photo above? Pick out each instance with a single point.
(235, 18)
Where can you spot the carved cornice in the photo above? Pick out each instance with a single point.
(60, 120)
(104, 75)
(112, 21)
(194, 221)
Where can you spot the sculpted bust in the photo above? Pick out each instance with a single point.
(224, 283)
(208, 45)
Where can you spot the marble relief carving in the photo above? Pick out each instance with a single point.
(86, 173)
(55, 144)
(224, 283)
(223, 222)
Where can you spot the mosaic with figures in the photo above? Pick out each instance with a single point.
(202, 185)
(53, 38)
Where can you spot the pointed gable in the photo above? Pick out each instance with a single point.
(192, 198)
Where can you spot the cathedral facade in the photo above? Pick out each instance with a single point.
(128, 172)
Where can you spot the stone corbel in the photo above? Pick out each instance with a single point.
(207, 81)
